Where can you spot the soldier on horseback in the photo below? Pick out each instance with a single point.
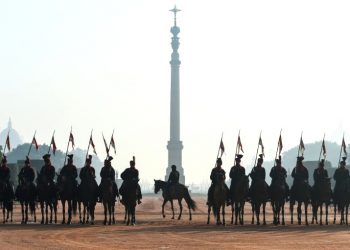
(341, 175)
(320, 173)
(299, 174)
(131, 175)
(70, 172)
(215, 172)
(4, 171)
(47, 173)
(173, 179)
(87, 173)
(278, 174)
(237, 172)
(257, 174)
(27, 175)
(108, 173)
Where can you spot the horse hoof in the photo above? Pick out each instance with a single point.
(42, 222)
(69, 222)
(63, 222)
(104, 222)
(92, 223)
(163, 216)
(283, 223)
(110, 223)
(264, 223)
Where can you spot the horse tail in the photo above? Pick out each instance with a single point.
(191, 203)
(75, 207)
(215, 210)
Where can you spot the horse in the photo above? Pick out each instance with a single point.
(278, 194)
(218, 200)
(301, 194)
(6, 199)
(176, 192)
(88, 195)
(47, 196)
(341, 201)
(129, 201)
(26, 194)
(259, 196)
(67, 193)
(238, 193)
(108, 199)
(321, 194)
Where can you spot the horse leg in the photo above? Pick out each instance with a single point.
(241, 213)
(180, 205)
(305, 206)
(79, 208)
(125, 214)
(232, 211)
(253, 211)
(172, 209)
(51, 209)
(22, 210)
(209, 209)
(113, 207)
(283, 223)
(26, 212)
(164, 202)
(42, 212)
(105, 212)
(110, 212)
(299, 213)
(327, 204)
(291, 208)
(223, 215)
(69, 211)
(218, 219)
(92, 211)
(264, 219)
(346, 214)
(235, 210)
(335, 212)
(257, 213)
(84, 212)
(133, 215)
(321, 213)
(64, 211)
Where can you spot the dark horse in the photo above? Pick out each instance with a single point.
(341, 199)
(26, 194)
(259, 196)
(129, 201)
(108, 200)
(218, 201)
(238, 197)
(47, 196)
(278, 195)
(321, 194)
(6, 200)
(176, 192)
(67, 193)
(300, 193)
(88, 195)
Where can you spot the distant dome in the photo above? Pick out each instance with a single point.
(15, 138)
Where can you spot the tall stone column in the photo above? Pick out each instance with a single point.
(175, 144)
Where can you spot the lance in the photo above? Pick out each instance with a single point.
(341, 149)
(319, 158)
(105, 143)
(87, 152)
(217, 156)
(51, 142)
(31, 144)
(239, 133)
(257, 150)
(278, 144)
(109, 147)
(65, 158)
(3, 154)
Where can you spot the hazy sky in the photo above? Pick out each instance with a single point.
(249, 65)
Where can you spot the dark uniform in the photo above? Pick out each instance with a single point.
(26, 176)
(278, 175)
(4, 171)
(108, 173)
(70, 172)
(237, 172)
(341, 176)
(320, 175)
(215, 173)
(131, 175)
(47, 175)
(300, 174)
(174, 177)
(87, 175)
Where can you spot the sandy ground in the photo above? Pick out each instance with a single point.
(154, 232)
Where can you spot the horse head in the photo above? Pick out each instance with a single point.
(157, 186)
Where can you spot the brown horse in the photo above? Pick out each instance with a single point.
(321, 194)
(177, 192)
(300, 193)
(238, 195)
(218, 200)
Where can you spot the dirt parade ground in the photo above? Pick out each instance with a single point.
(154, 232)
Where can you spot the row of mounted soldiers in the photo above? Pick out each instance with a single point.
(48, 192)
(279, 192)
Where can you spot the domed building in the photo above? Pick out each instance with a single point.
(15, 138)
